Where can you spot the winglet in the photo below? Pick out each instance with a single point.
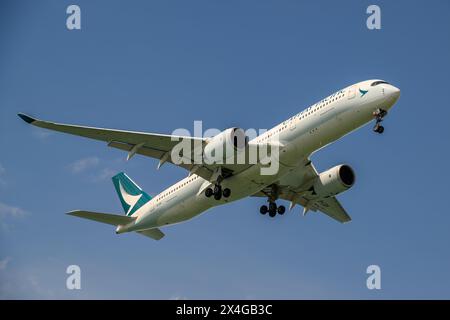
(26, 118)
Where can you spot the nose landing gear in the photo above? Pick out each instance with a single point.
(378, 128)
(379, 114)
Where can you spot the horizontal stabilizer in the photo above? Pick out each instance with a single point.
(152, 233)
(113, 219)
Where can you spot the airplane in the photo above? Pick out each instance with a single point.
(212, 184)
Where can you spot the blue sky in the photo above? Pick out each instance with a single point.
(159, 65)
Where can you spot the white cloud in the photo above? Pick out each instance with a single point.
(10, 211)
(7, 212)
(113, 167)
(106, 173)
(83, 164)
(23, 284)
(4, 263)
(41, 134)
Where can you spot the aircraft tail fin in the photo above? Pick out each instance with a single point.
(130, 194)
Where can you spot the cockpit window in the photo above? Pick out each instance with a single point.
(378, 82)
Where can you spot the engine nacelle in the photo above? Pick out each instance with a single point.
(334, 181)
(224, 147)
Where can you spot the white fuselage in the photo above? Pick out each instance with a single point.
(299, 136)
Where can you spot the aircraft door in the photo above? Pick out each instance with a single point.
(351, 93)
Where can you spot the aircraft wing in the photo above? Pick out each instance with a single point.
(158, 146)
(295, 186)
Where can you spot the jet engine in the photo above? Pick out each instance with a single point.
(223, 147)
(334, 181)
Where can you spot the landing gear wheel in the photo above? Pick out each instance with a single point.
(281, 210)
(226, 192)
(217, 192)
(378, 128)
(217, 196)
(209, 192)
(263, 209)
(272, 209)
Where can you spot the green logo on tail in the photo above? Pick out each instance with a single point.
(131, 196)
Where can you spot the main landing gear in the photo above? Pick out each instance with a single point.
(217, 192)
(273, 209)
(379, 114)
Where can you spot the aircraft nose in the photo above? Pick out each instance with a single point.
(392, 92)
